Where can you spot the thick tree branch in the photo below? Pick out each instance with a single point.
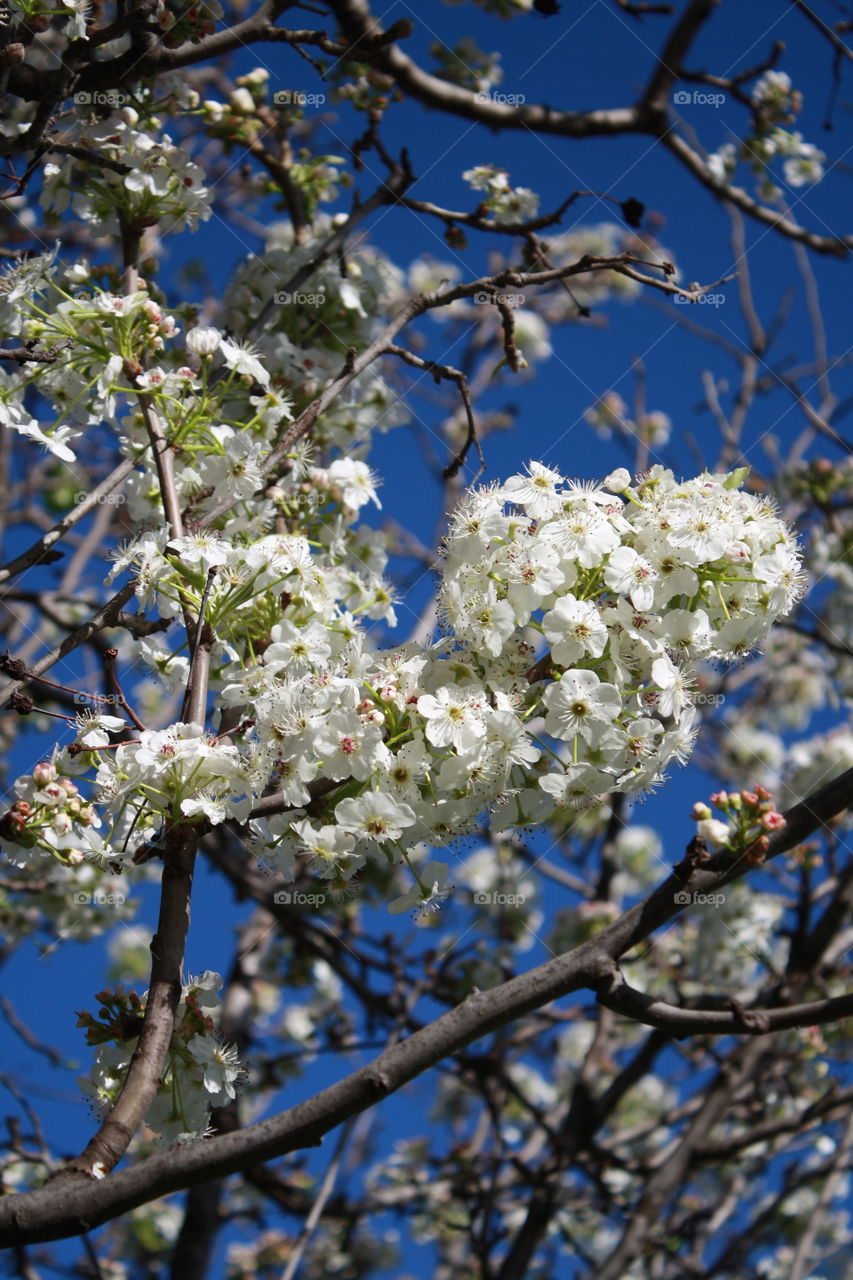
(648, 116)
(668, 68)
(61, 1210)
(364, 34)
(840, 246)
(144, 1074)
(616, 994)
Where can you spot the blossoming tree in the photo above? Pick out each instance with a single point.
(206, 667)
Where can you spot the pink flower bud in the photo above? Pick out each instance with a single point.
(44, 772)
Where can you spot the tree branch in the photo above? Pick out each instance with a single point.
(66, 1209)
(627, 1000)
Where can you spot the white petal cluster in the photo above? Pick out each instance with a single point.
(776, 103)
(90, 332)
(628, 591)
(152, 177)
(172, 772)
(50, 817)
(508, 204)
(200, 1073)
(579, 562)
(573, 615)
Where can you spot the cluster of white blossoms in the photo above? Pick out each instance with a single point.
(50, 818)
(96, 336)
(34, 13)
(700, 566)
(507, 204)
(229, 403)
(139, 177)
(628, 585)
(573, 612)
(200, 1072)
(775, 102)
(308, 328)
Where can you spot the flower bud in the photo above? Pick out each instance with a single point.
(242, 102)
(714, 833)
(617, 481)
(78, 273)
(203, 340)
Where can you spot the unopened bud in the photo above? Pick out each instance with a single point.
(203, 340)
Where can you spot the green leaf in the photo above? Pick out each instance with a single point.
(737, 477)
